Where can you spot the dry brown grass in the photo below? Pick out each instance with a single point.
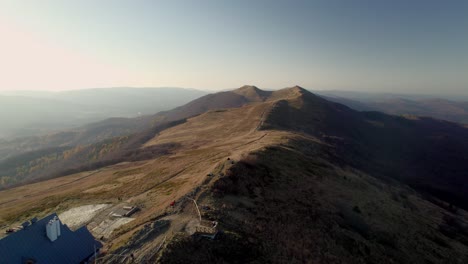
(205, 141)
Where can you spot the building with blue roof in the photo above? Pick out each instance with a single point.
(48, 241)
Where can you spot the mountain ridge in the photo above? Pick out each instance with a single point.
(287, 176)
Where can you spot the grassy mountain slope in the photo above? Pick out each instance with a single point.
(22, 162)
(293, 178)
(425, 153)
(289, 204)
(325, 196)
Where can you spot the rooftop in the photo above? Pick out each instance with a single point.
(32, 243)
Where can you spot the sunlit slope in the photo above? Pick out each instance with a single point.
(102, 143)
(200, 144)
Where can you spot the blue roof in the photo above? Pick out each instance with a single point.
(32, 243)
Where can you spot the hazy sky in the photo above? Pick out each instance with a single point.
(377, 45)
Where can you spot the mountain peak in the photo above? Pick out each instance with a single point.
(290, 92)
(248, 88)
(297, 88)
(252, 93)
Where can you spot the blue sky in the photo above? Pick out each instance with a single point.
(394, 46)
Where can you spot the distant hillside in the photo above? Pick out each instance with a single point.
(382, 96)
(424, 106)
(25, 113)
(47, 163)
(436, 108)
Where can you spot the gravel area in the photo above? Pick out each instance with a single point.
(79, 216)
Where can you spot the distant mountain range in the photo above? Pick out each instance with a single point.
(400, 104)
(33, 113)
(373, 96)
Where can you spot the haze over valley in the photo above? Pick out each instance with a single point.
(34, 113)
